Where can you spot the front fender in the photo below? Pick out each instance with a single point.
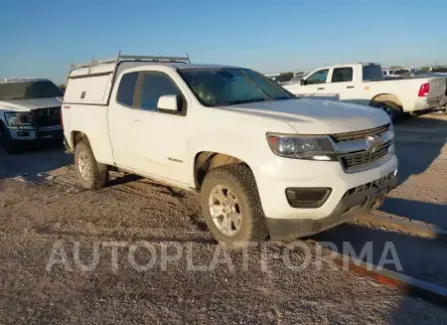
(241, 136)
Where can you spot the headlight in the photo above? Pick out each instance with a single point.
(312, 147)
(19, 119)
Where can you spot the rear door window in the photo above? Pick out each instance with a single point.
(342, 74)
(126, 89)
(372, 72)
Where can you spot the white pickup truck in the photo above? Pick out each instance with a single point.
(363, 83)
(265, 162)
(29, 110)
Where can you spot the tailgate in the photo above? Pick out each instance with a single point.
(437, 88)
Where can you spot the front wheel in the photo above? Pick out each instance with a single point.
(11, 146)
(231, 206)
(92, 175)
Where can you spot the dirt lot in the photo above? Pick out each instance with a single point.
(45, 217)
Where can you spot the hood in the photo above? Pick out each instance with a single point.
(26, 105)
(313, 116)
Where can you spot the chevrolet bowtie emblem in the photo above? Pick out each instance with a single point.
(374, 143)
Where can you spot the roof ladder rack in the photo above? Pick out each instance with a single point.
(126, 57)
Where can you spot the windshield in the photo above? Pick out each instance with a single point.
(372, 72)
(29, 90)
(231, 86)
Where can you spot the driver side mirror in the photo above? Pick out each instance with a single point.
(303, 82)
(168, 103)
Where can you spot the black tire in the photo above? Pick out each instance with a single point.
(99, 173)
(392, 109)
(11, 146)
(240, 180)
(407, 115)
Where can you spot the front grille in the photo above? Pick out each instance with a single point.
(354, 147)
(348, 136)
(44, 117)
(377, 183)
(354, 159)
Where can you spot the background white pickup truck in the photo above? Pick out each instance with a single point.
(364, 84)
(264, 161)
(29, 110)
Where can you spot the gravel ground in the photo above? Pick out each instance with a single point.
(45, 217)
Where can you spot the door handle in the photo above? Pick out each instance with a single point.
(321, 88)
(138, 122)
(349, 87)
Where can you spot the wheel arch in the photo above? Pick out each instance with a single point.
(204, 161)
(386, 97)
(76, 137)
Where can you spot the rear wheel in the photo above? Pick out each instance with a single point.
(11, 146)
(392, 109)
(92, 175)
(231, 206)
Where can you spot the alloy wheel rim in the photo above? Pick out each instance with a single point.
(225, 210)
(84, 166)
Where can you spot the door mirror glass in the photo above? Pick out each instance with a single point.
(168, 103)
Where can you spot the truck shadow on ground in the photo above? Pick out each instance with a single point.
(419, 142)
(418, 257)
(35, 163)
(124, 179)
(432, 213)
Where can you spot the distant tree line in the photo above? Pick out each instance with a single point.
(423, 69)
(284, 76)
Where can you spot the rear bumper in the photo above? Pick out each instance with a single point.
(427, 104)
(444, 101)
(350, 206)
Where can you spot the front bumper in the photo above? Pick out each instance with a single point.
(32, 134)
(274, 176)
(351, 205)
